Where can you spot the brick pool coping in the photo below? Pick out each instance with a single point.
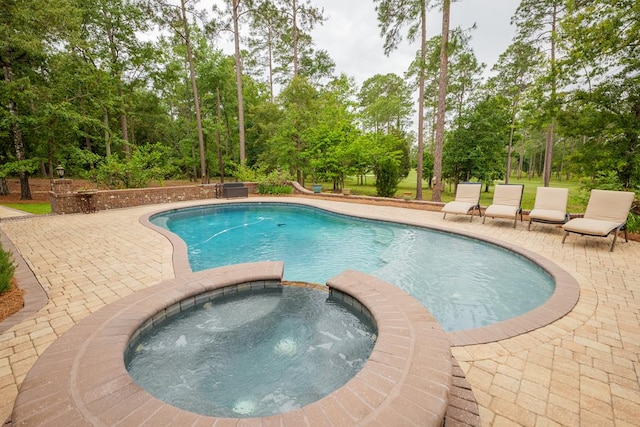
(561, 302)
(81, 378)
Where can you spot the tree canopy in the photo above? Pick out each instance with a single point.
(108, 88)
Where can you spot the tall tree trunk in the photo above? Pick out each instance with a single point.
(220, 163)
(236, 39)
(540, 163)
(195, 166)
(423, 53)
(118, 75)
(509, 150)
(4, 188)
(434, 121)
(18, 143)
(107, 135)
(521, 160)
(510, 146)
(123, 121)
(548, 155)
(271, 98)
(442, 98)
(294, 34)
(196, 98)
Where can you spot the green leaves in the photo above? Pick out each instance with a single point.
(7, 268)
(147, 163)
(387, 176)
(396, 15)
(603, 59)
(476, 146)
(385, 102)
(19, 166)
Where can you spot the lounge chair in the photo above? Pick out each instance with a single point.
(606, 213)
(550, 206)
(467, 200)
(506, 203)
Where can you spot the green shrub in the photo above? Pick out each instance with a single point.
(387, 177)
(246, 174)
(147, 163)
(633, 223)
(604, 181)
(268, 188)
(7, 268)
(274, 182)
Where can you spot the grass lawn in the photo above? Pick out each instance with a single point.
(577, 199)
(34, 208)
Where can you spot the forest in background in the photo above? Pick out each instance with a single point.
(127, 91)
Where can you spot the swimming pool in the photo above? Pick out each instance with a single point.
(466, 283)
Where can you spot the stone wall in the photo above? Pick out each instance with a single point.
(64, 200)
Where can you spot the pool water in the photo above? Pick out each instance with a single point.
(465, 283)
(254, 354)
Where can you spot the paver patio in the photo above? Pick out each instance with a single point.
(580, 370)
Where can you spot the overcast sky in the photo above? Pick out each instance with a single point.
(351, 34)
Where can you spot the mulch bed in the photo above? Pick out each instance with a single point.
(11, 301)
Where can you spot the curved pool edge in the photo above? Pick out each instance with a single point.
(81, 378)
(561, 302)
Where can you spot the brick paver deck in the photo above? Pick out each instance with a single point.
(582, 369)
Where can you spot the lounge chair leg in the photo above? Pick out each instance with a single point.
(445, 216)
(483, 218)
(471, 217)
(566, 233)
(529, 228)
(515, 221)
(613, 243)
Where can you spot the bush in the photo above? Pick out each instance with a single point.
(268, 188)
(7, 268)
(246, 174)
(274, 182)
(633, 223)
(387, 177)
(147, 163)
(604, 181)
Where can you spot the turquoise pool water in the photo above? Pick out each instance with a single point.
(465, 283)
(290, 347)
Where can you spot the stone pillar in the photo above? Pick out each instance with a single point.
(61, 195)
(61, 186)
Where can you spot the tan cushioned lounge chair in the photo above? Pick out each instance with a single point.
(506, 202)
(606, 213)
(550, 206)
(467, 200)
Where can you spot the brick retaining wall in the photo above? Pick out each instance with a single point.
(65, 201)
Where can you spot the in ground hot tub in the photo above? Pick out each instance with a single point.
(253, 353)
